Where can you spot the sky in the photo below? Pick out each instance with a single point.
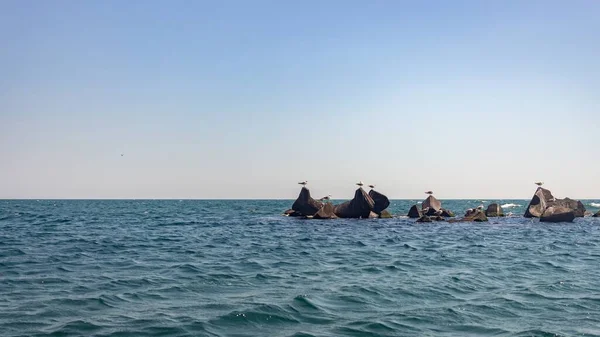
(243, 99)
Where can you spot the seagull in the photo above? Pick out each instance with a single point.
(122, 154)
(360, 183)
(372, 186)
(326, 198)
(539, 183)
(303, 183)
(429, 192)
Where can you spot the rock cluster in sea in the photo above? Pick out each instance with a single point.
(545, 206)
(365, 205)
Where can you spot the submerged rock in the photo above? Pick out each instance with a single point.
(424, 218)
(385, 215)
(326, 212)
(475, 215)
(305, 204)
(415, 212)
(359, 207)
(558, 214)
(494, 210)
(597, 215)
(290, 212)
(381, 201)
(446, 213)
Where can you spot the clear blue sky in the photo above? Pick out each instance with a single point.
(243, 99)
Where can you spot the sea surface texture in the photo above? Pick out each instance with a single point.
(239, 268)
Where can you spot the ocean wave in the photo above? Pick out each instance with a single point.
(511, 205)
(595, 204)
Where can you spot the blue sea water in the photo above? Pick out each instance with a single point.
(239, 268)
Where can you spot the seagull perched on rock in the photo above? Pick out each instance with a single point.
(429, 192)
(303, 183)
(372, 186)
(326, 198)
(539, 183)
(360, 183)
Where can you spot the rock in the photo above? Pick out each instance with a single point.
(575, 205)
(305, 205)
(494, 210)
(385, 215)
(359, 207)
(438, 218)
(424, 218)
(476, 215)
(429, 211)
(558, 214)
(381, 201)
(447, 213)
(373, 215)
(543, 199)
(538, 203)
(415, 212)
(326, 212)
(431, 202)
(597, 215)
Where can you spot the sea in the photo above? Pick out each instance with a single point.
(240, 268)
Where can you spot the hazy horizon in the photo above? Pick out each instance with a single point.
(241, 100)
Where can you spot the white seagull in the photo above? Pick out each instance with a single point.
(372, 186)
(429, 192)
(303, 183)
(539, 183)
(360, 183)
(326, 198)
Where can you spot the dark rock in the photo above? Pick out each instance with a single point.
(289, 212)
(305, 205)
(359, 207)
(430, 211)
(558, 214)
(476, 215)
(326, 212)
(415, 212)
(538, 203)
(494, 210)
(544, 199)
(597, 215)
(381, 201)
(424, 218)
(575, 205)
(431, 202)
(447, 213)
(438, 218)
(385, 215)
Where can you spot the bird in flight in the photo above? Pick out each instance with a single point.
(429, 192)
(539, 183)
(372, 186)
(122, 154)
(360, 183)
(303, 183)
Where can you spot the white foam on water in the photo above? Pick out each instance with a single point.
(510, 205)
(595, 204)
